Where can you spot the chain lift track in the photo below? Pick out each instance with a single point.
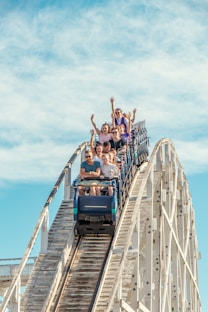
(149, 265)
(82, 278)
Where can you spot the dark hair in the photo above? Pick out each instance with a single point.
(97, 143)
(107, 143)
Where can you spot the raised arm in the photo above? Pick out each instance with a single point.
(92, 140)
(129, 123)
(94, 125)
(112, 105)
(113, 111)
(134, 115)
(113, 120)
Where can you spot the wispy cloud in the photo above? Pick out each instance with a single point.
(59, 64)
(193, 155)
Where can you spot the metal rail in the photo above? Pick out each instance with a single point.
(42, 223)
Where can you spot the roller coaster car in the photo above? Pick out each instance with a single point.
(99, 214)
(96, 214)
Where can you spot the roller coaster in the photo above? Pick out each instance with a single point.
(141, 258)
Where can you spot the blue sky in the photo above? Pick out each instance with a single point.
(60, 61)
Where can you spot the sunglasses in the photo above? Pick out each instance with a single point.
(88, 156)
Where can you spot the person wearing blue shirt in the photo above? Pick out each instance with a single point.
(90, 168)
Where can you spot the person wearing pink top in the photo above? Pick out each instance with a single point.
(105, 133)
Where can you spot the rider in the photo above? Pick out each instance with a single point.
(90, 168)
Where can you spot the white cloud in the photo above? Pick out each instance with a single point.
(58, 66)
(37, 162)
(193, 155)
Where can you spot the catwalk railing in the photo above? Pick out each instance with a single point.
(42, 226)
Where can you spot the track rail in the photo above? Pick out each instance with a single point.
(80, 282)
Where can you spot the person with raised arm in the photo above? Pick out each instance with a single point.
(104, 134)
(118, 117)
(126, 135)
(97, 148)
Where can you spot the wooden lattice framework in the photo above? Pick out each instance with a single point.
(160, 251)
(153, 268)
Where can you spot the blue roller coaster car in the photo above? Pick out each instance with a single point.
(96, 214)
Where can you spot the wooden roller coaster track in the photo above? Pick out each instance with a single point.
(149, 265)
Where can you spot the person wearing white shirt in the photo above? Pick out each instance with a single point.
(109, 170)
